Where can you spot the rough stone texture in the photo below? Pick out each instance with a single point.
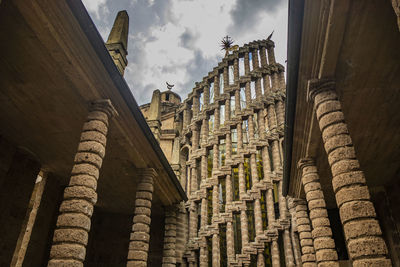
(201, 170)
(304, 228)
(169, 253)
(355, 208)
(137, 255)
(324, 244)
(73, 216)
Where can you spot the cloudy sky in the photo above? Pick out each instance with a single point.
(178, 40)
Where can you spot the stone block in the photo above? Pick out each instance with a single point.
(330, 119)
(356, 210)
(77, 220)
(95, 125)
(366, 247)
(77, 205)
(92, 147)
(79, 236)
(349, 178)
(85, 168)
(80, 192)
(359, 228)
(343, 166)
(68, 251)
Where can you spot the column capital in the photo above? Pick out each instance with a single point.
(315, 86)
(105, 106)
(305, 162)
(148, 172)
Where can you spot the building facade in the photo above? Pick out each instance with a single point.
(224, 142)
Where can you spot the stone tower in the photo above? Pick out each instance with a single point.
(117, 42)
(227, 153)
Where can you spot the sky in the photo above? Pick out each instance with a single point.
(178, 41)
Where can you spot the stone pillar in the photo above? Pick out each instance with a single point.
(237, 101)
(192, 220)
(294, 236)
(185, 118)
(215, 250)
(203, 221)
(282, 83)
(276, 160)
(73, 223)
(260, 260)
(244, 227)
(280, 113)
(276, 260)
(239, 135)
(272, 123)
(228, 151)
(226, 78)
(271, 55)
(195, 137)
(258, 217)
(230, 249)
(247, 93)
(266, 161)
(242, 182)
(282, 202)
(236, 70)
(263, 56)
(289, 260)
(169, 253)
(246, 63)
(304, 229)
(274, 82)
(216, 85)
(140, 235)
(365, 244)
(251, 128)
(267, 85)
(270, 206)
(324, 244)
(203, 254)
(196, 105)
(255, 58)
(206, 92)
(253, 168)
(258, 88)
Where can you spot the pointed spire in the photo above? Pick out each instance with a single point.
(120, 29)
(117, 42)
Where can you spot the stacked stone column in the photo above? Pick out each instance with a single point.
(304, 229)
(140, 235)
(169, 253)
(363, 235)
(73, 223)
(324, 244)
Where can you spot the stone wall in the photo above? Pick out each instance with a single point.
(232, 123)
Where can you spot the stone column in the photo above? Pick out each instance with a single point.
(267, 85)
(203, 221)
(274, 82)
(258, 88)
(251, 128)
(206, 92)
(263, 56)
(280, 112)
(236, 70)
(230, 249)
(185, 118)
(294, 236)
(226, 78)
(271, 55)
(324, 244)
(260, 260)
(239, 135)
(289, 260)
(203, 254)
(195, 137)
(192, 220)
(242, 182)
(169, 253)
(73, 223)
(270, 206)
(228, 151)
(140, 235)
(246, 63)
(282, 202)
(276, 161)
(282, 83)
(272, 123)
(365, 244)
(276, 259)
(304, 229)
(266, 161)
(261, 124)
(247, 93)
(215, 250)
(258, 217)
(237, 101)
(253, 168)
(255, 58)
(196, 106)
(244, 227)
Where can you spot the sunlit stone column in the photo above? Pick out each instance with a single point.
(363, 234)
(280, 112)
(276, 160)
(246, 63)
(267, 85)
(230, 242)
(236, 70)
(295, 240)
(258, 88)
(140, 235)
(74, 220)
(196, 106)
(255, 59)
(242, 182)
(287, 243)
(272, 123)
(216, 85)
(276, 260)
(304, 229)
(192, 220)
(263, 56)
(324, 244)
(244, 227)
(271, 54)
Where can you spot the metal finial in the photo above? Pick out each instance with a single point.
(169, 86)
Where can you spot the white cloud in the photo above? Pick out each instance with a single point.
(178, 40)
